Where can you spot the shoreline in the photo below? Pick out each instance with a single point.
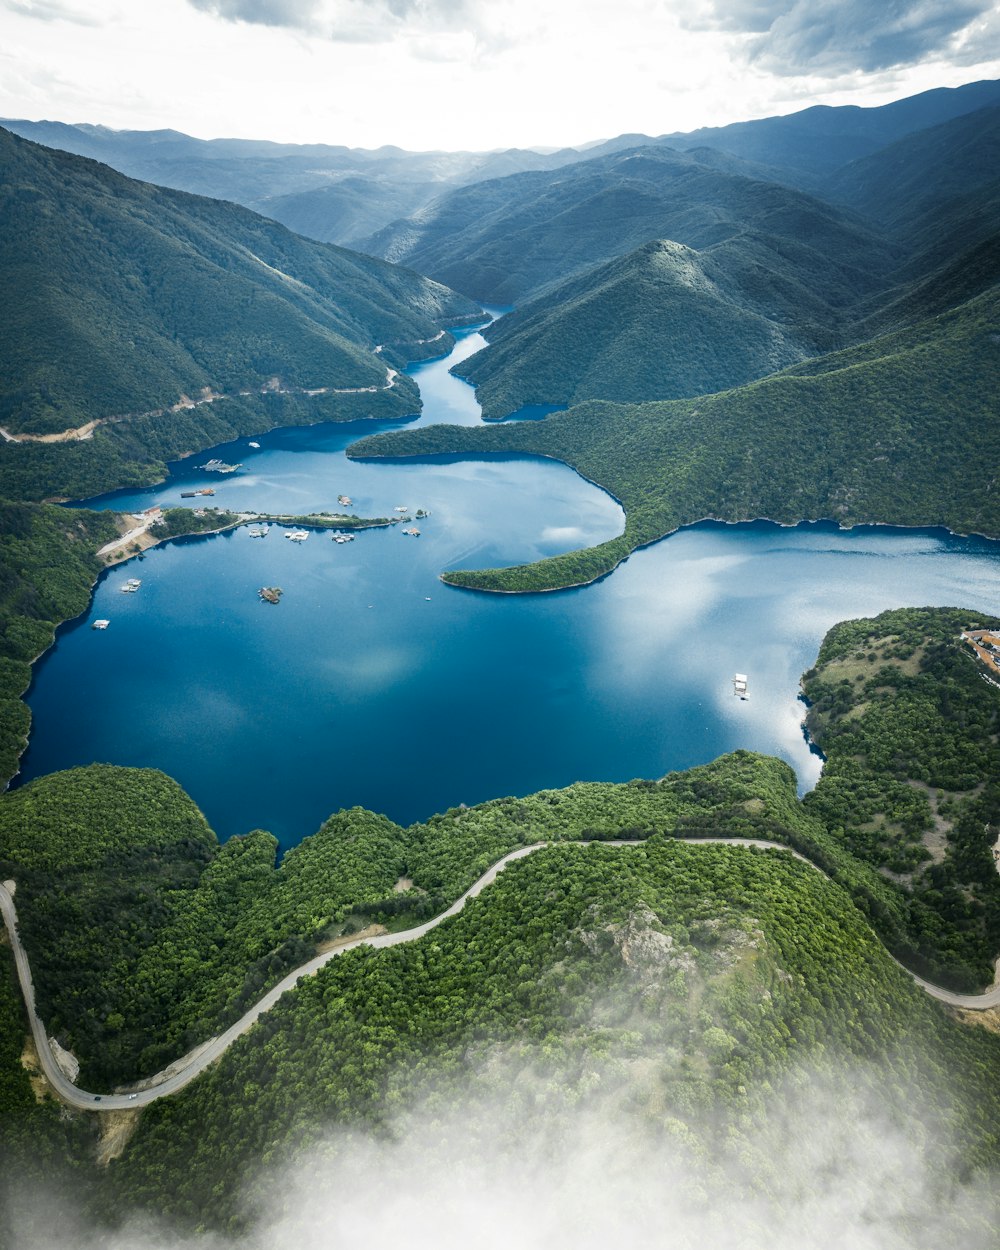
(677, 529)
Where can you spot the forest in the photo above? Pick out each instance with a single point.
(885, 432)
(147, 936)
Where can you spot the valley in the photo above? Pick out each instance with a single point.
(317, 859)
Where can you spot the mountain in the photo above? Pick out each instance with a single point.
(343, 195)
(818, 140)
(937, 193)
(349, 209)
(895, 430)
(339, 193)
(505, 240)
(122, 297)
(661, 323)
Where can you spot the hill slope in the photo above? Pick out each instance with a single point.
(902, 430)
(665, 322)
(821, 139)
(122, 297)
(685, 981)
(504, 240)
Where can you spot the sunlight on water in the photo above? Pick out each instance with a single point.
(373, 683)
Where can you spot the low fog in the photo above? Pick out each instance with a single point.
(833, 1162)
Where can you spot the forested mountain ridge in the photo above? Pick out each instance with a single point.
(818, 140)
(504, 240)
(916, 179)
(666, 322)
(898, 430)
(123, 297)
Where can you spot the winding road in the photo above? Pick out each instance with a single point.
(184, 1070)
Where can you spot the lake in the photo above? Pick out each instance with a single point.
(372, 683)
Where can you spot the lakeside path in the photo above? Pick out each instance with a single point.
(184, 1070)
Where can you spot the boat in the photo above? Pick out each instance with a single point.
(219, 466)
(100, 624)
(134, 582)
(255, 446)
(345, 501)
(401, 508)
(206, 490)
(413, 532)
(188, 494)
(740, 686)
(297, 536)
(270, 594)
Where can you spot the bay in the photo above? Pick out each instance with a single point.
(372, 683)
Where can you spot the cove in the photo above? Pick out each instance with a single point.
(371, 683)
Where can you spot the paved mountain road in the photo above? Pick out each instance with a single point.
(184, 1070)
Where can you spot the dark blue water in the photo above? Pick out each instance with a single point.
(372, 683)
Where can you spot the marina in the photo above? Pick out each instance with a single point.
(297, 536)
(219, 466)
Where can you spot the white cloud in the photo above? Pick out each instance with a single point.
(460, 74)
(831, 37)
(49, 11)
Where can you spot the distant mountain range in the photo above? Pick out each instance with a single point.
(344, 195)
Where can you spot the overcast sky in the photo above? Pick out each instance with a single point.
(475, 73)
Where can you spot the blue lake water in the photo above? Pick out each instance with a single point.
(372, 683)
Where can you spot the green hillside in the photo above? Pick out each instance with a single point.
(922, 174)
(901, 430)
(665, 322)
(911, 782)
(503, 240)
(47, 568)
(822, 139)
(626, 1008)
(122, 297)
